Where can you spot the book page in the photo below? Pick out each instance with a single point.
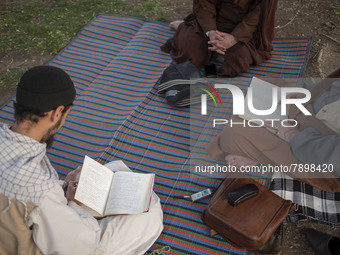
(263, 100)
(94, 185)
(129, 193)
(117, 166)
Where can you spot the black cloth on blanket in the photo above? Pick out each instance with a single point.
(314, 204)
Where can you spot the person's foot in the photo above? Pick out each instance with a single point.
(174, 24)
(322, 243)
(238, 161)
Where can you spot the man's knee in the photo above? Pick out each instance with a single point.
(226, 142)
(236, 60)
(226, 71)
(234, 134)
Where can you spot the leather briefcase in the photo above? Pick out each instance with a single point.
(244, 212)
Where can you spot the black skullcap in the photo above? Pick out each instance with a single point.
(45, 88)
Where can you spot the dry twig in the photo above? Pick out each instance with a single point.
(334, 40)
(297, 13)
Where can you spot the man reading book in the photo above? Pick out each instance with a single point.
(36, 217)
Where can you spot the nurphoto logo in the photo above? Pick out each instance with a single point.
(211, 96)
(277, 102)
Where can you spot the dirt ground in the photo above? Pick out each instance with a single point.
(295, 18)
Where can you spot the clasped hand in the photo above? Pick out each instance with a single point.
(221, 41)
(71, 184)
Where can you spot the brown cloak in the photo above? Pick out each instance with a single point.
(250, 21)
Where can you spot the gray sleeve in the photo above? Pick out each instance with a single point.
(329, 96)
(309, 146)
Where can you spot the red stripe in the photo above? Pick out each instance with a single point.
(215, 92)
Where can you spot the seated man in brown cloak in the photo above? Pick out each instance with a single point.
(240, 31)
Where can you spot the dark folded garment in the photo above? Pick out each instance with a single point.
(180, 84)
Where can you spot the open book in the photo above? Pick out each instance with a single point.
(103, 192)
(262, 98)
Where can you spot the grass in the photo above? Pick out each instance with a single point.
(337, 10)
(11, 76)
(48, 26)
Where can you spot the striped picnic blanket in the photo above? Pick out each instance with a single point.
(115, 63)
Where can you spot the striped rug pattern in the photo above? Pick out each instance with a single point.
(116, 63)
